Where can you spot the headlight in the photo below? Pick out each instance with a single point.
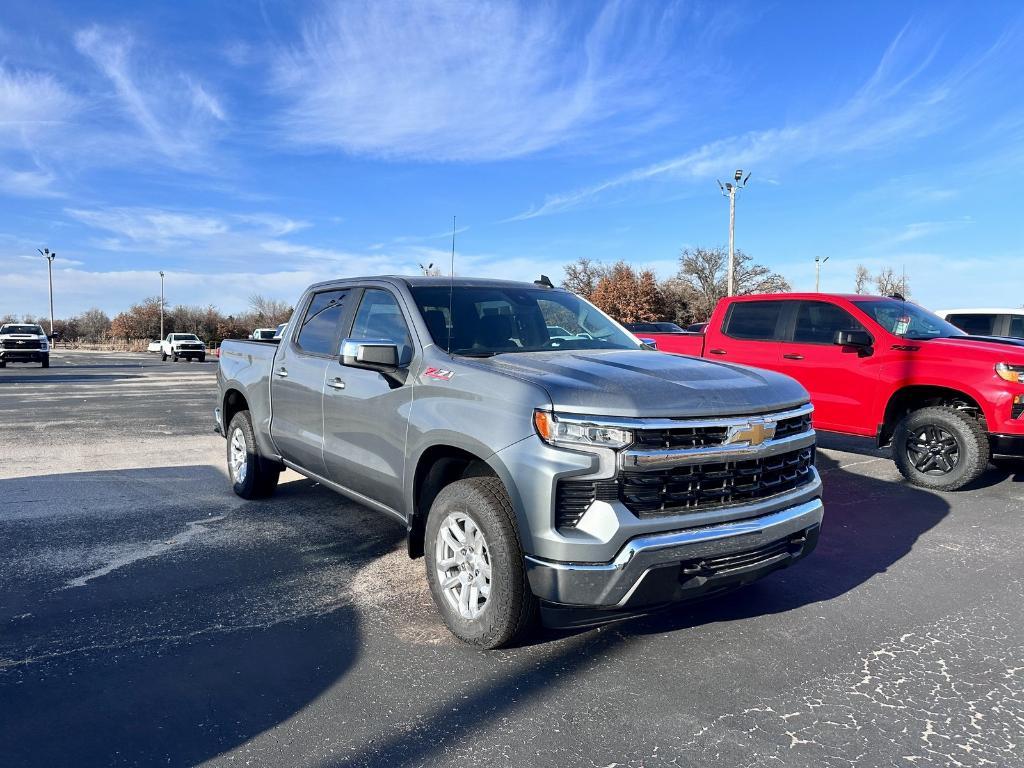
(576, 431)
(1010, 372)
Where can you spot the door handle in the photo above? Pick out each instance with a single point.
(336, 383)
(282, 372)
(717, 351)
(793, 356)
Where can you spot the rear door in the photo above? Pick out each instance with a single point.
(366, 414)
(297, 379)
(750, 334)
(842, 381)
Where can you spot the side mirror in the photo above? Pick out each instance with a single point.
(371, 354)
(648, 342)
(852, 339)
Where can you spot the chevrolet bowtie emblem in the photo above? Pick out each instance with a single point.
(754, 433)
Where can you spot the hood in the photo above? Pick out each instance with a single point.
(994, 349)
(637, 383)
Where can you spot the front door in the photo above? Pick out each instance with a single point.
(842, 381)
(297, 381)
(366, 414)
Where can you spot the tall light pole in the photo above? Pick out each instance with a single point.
(45, 252)
(729, 190)
(161, 305)
(817, 272)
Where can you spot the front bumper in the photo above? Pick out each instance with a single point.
(23, 355)
(657, 569)
(1007, 445)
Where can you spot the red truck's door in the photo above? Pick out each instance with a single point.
(749, 334)
(842, 380)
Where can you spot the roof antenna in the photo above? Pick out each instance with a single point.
(451, 293)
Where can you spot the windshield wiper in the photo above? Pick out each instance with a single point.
(475, 354)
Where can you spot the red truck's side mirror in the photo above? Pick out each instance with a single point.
(860, 339)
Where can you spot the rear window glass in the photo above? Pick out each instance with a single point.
(975, 324)
(754, 320)
(319, 333)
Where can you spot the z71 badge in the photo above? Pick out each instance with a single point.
(439, 373)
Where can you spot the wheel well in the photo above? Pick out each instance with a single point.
(234, 401)
(913, 398)
(439, 466)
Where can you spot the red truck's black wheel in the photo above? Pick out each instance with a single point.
(940, 448)
(475, 564)
(252, 476)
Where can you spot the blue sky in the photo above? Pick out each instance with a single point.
(255, 147)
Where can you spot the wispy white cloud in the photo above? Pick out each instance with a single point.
(923, 229)
(30, 101)
(30, 183)
(897, 104)
(470, 81)
(177, 115)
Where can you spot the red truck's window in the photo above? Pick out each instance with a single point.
(754, 320)
(818, 321)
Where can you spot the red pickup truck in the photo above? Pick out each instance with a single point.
(882, 368)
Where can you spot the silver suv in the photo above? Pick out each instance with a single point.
(576, 475)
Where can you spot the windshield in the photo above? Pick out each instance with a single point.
(35, 330)
(902, 318)
(184, 337)
(491, 320)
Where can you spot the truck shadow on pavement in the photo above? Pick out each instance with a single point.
(150, 617)
(194, 650)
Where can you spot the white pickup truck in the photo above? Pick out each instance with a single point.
(24, 343)
(186, 345)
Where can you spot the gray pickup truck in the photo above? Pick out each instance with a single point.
(572, 474)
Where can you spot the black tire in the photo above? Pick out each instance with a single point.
(174, 357)
(952, 449)
(3, 363)
(46, 361)
(163, 356)
(261, 475)
(202, 358)
(511, 608)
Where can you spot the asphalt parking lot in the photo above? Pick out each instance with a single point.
(148, 616)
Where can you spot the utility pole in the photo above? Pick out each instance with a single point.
(817, 272)
(45, 252)
(161, 305)
(729, 189)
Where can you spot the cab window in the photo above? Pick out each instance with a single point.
(318, 334)
(380, 317)
(1016, 327)
(754, 320)
(818, 321)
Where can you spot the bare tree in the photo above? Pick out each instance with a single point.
(704, 270)
(583, 275)
(269, 311)
(862, 280)
(92, 325)
(889, 283)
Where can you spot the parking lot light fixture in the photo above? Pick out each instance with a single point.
(161, 305)
(49, 256)
(729, 189)
(817, 272)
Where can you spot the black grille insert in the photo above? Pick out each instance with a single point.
(701, 487)
(1017, 410)
(574, 496)
(22, 344)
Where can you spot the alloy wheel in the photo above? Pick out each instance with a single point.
(462, 563)
(239, 456)
(933, 450)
